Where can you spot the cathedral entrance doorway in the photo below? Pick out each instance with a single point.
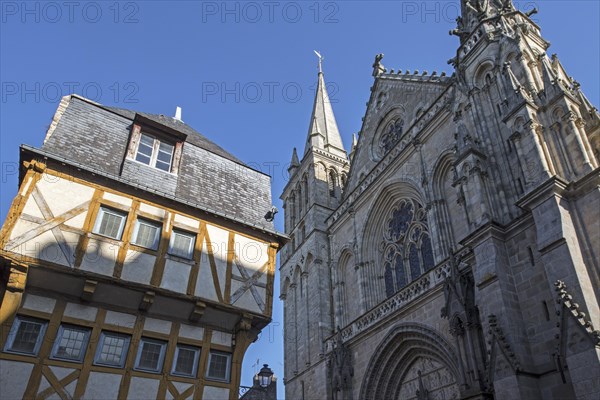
(412, 362)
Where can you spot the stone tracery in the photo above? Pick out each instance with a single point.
(406, 245)
(391, 135)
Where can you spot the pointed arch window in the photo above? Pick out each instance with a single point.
(305, 190)
(292, 209)
(407, 251)
(332, 182)
(300, 190)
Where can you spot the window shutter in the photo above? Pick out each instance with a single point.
(177, 157)
(135, 140)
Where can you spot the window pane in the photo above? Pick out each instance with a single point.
(113, 350)
(150, 356)
(182, 244)
(415, 264)
(71, 344)
(164, 156)
(147, 234)
(111, 223)
(185, 362)
(163, 166)
(26, 336)
(145, 149)
(218, 367)
(165, 152)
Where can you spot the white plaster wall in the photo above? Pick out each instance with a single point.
(147, 208)
(117, 199)
(192, 223)
(215, 393)
(20, 228)
(157, 325)
(222, 338)
(13, 378)
(77, 221)
(100, 257)
(39, 303)
(143, 388)
(63, 195)
(191, 332)
(102, 386)
(80, 311)
(47, 248)
(138, 267)
(251, 254)
(219, 242)
(70, 388)
(204, 283)
(44, 384)
(246, 300)
(31, 208)
(119, 319)
(176, 276)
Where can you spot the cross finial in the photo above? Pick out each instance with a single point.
(320, 61)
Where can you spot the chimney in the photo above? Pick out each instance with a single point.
(178, 114)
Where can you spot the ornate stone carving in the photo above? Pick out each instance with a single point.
(406, 245)
(342, 370)
(572, 309)
(499, 343)
(408, 349)
(425, 283)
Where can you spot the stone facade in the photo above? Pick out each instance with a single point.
(454, 253)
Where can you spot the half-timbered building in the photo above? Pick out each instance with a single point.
(136, 261)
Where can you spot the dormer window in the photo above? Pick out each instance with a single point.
(154, 152)
(155, 145)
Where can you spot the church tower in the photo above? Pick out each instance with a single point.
(313, 191)
(462, 259)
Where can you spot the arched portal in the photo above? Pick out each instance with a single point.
(412, 362)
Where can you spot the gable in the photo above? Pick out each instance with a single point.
(395, 106)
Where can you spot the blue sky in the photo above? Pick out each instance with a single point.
(244, 73)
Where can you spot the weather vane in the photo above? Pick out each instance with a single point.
(320, 60)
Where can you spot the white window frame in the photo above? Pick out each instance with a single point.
(155, 150)
(196, 358)
(192, 244)
(149, 222)
(107, 210)
(161, 358)
(227, 372)
(15, 328)
(103, 336)
(59, 335)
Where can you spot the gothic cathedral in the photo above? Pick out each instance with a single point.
(454, 253)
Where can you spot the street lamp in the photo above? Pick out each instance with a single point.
(265, 376)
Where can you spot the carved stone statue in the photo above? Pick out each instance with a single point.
(342, 370)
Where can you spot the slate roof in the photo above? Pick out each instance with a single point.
(194, 137)
(210, 178)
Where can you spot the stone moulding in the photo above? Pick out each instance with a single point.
(565, 299)
(436, 276)
(413, 132)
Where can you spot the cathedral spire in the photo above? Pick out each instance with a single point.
(514, 82)
(323, 131)
(354, 144)
(294, 163)
(474, 11)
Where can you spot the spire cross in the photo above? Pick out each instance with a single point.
(320, 61)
